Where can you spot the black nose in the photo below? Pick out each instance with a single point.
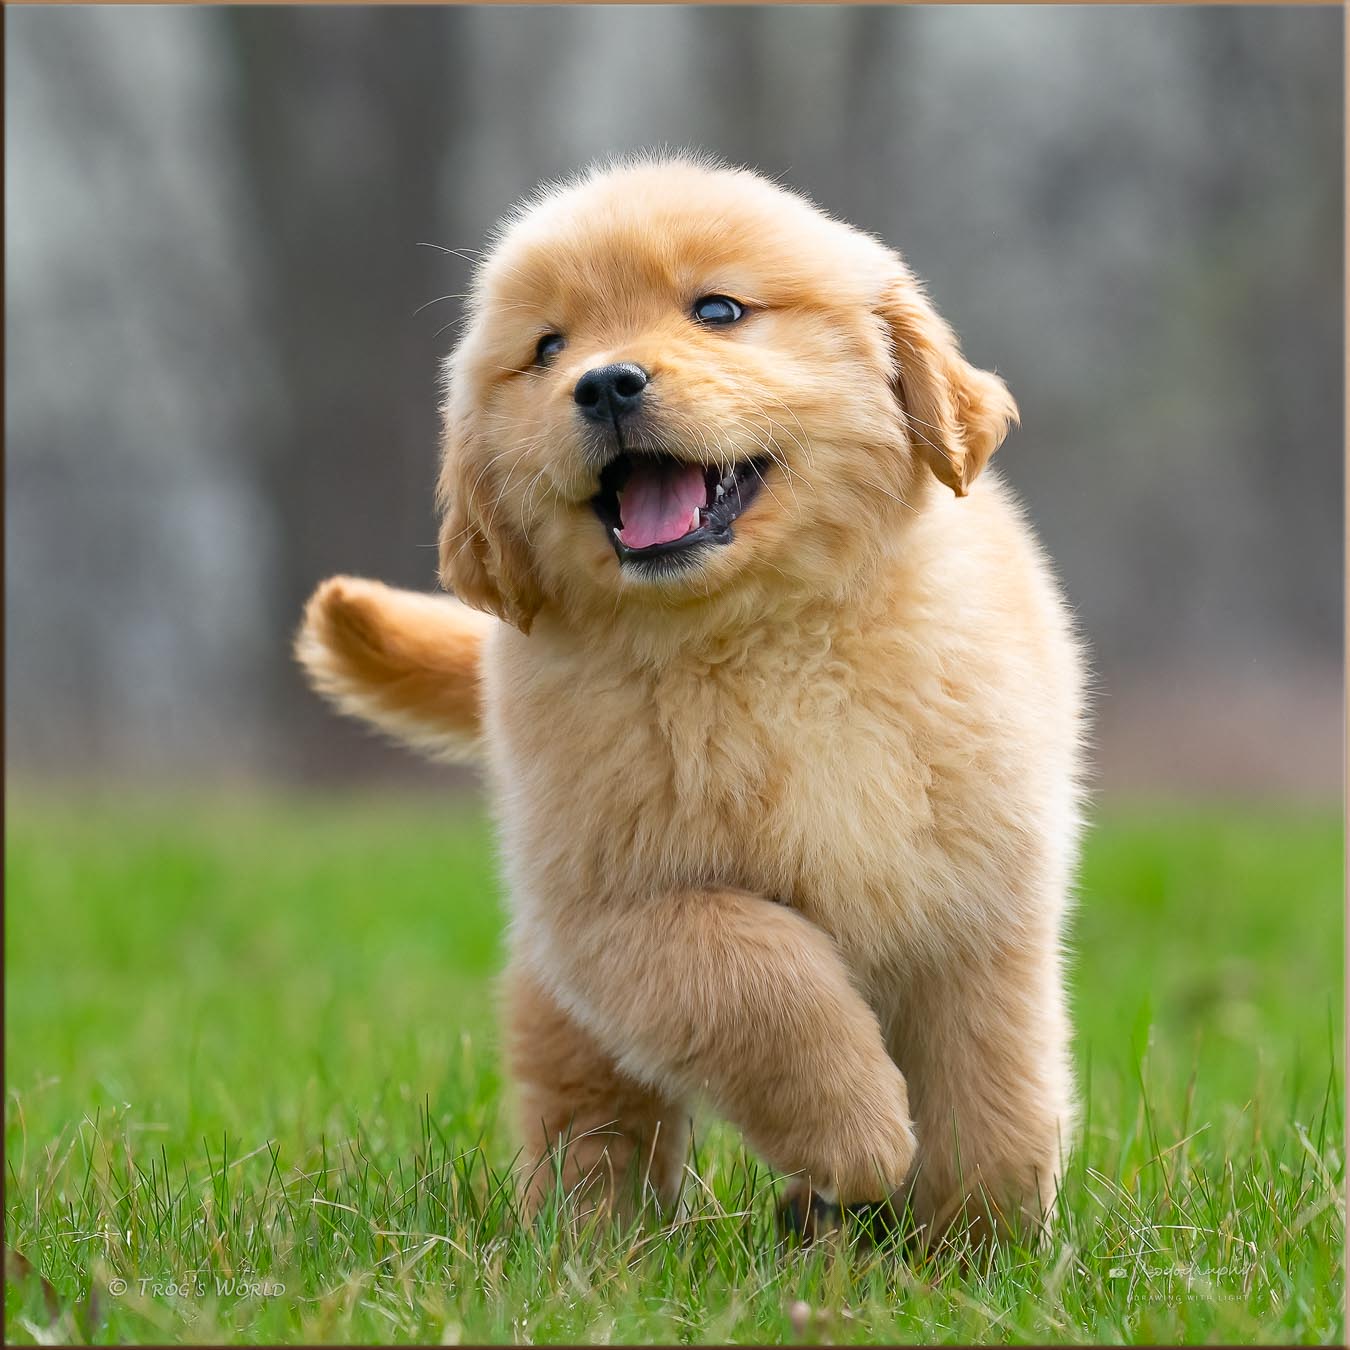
(608, 392)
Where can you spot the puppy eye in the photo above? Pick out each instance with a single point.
(548, 347)
(717, 310)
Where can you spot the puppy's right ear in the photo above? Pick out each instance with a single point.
(484, 558)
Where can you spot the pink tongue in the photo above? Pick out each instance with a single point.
(658, 503)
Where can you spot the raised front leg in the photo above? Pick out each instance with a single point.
(984, 1044)
(603, 1134)
(728, 996)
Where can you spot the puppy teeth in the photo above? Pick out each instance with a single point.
(617, 535)
(719, 492)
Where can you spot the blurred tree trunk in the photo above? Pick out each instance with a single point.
(1285, 319)
(343, 119)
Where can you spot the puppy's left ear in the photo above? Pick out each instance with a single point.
(957, 415)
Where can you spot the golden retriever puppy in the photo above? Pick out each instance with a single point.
(779, 705)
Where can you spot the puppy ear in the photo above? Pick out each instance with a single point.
(484, 558)
(957, 415)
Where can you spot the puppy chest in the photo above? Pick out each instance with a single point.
(803, 796)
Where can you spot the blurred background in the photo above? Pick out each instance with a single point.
(228, 294)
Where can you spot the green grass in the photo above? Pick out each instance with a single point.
(255, 1042)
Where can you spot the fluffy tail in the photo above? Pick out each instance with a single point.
(406, 663)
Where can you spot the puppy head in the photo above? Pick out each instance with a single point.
(680, 382)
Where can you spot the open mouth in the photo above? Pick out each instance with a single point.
(660, 510)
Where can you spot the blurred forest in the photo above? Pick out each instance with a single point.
(224, 322)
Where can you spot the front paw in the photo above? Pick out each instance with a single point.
(806, 1214)
(874, 1150)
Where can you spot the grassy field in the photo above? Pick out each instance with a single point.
(252, 1093)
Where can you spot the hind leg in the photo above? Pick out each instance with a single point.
(985, 1047)
(605, 1135)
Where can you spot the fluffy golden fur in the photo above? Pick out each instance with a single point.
(788, 830)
